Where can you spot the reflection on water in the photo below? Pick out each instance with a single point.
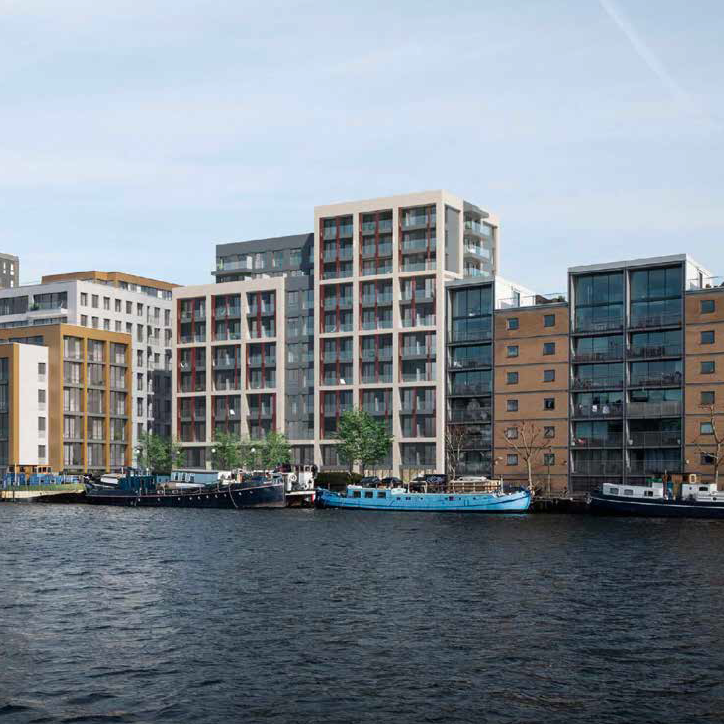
(133, 615)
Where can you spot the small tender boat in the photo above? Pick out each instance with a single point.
(363, 498)
(659, 500)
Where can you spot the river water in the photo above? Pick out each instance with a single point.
(135, 615)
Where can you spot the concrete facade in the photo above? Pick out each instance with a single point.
(9, 271)
(114, 302)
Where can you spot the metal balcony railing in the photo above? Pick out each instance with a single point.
(483, 415)
(605, 410)
(654, 409)
(613, 353)
(596, 441)
(658, 350)
(597, 383)
(667, 379)
(600, 325)
(641, 321)
(654, 439)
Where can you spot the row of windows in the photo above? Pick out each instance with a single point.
(549, 403)
(512, 378)
(513, 350)
(548, 459)
(549, 320)
(154, 312)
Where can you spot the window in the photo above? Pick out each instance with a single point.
(84, 320)
(549, 459)
(41, 397)
(107, 303)
(129, 328)
(118, 327)
(549, 431)
(295, 258)
(512, 406)
(94, 322)
(107, 324)
(549, 320)
(511, 433)
(707, 459)
(513, 323)
(41, 424)
(549, 375)
(129, 307)
(707, 337)
(512, 378)
(277, 259)
(549, 403)
(117, 305)
(549, 348)
(139, 309)
(41, 368)
(94, 301)
(707, 398)
(369, 494)
(706, 306)
(707, 368)
(512, 459)
(512, 350)
(83, 299)
(706, 428)
(41, 452)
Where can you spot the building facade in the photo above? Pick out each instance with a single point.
(111, 302)
(9, 271)
(23, 407)
(72, 386)
(381, 266)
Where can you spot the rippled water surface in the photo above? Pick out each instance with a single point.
(133, 615)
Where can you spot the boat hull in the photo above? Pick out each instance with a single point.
(230, 498)
(517, 502)
(613, 505)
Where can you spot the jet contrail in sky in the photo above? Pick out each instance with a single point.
(612, 9)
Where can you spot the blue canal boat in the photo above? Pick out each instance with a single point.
(357, 497)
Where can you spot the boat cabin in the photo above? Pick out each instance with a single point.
(655, 490)
(702, 492)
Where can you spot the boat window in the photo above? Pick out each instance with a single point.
(703, 489)
(614, 491)
(627, 491)
(408, 498)
(369, 494)
(649, 493)
(356, 494)
(451, 497)
(382, 495)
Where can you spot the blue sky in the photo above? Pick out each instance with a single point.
(137, 135)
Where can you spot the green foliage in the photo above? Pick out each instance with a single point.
(362, 440)
(275, 450)
(226, 451)
(157, 453)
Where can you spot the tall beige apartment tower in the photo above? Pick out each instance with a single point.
(381, 266)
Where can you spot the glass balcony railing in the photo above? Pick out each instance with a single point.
(666, 379)
(597, 441)
(670, 408)
(654, 467)
(417, 266)
(640, 321)
(655, 350)
(481, 415)
(410, 220)
(654, 439)
(597, 383)
(599, 325)
(605, 410)
(603, 355)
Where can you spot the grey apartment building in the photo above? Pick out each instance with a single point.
(9, 271)
(298, 329)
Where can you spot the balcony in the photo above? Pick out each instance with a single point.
(376, 411)
(415, 246)
(607, 441)
(472, 335)
(603, 411)
(607, 355)
(418, 352)
(476, 250)
(261, 309)
(370, 251)
(654, 439)
(654, 409)
(666, 379)
(597, 383)
(655, 351)
(482, 415)
(334, 274)
(653, 467)
(599, 325)
(419, 321)
(419, 376)
(380, 269)
(645, 321)
(227, 385)
(223, 363)
(476, 442)
(596, 467)
(471, 389)
(419, 296)
(417, 408)
(223, 415)
(410, 221)
(470, 363)
(227, 313)
(376, 379)
(418, 266)
(336, 356)
(260, 413)
(385, 323)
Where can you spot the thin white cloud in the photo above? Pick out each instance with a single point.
(644, 51)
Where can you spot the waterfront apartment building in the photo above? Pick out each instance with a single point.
(9, 271)
(23, 407)
(300, 328)
(65, 400)
(381, 266)
(110, 302)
